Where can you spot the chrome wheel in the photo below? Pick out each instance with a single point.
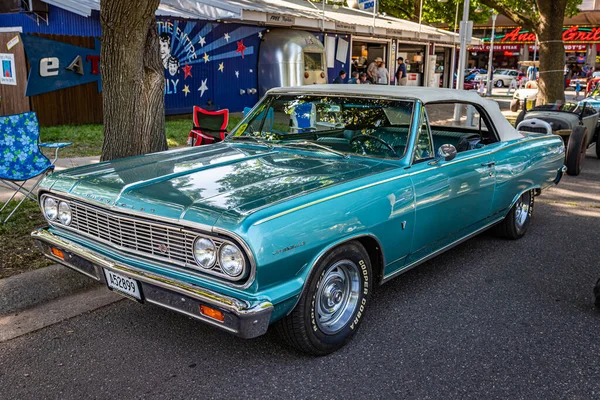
(337, 296)
(522, 210)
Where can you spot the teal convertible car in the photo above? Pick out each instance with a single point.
(320, 194)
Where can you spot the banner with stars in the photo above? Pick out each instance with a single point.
(208, 64)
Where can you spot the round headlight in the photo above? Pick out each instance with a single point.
(231, 260)
(64, 213)
(205, 252)
(50, 208)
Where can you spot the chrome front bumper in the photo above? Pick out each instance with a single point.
(241, 318)
(559, 174)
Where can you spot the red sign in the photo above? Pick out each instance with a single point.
(568, 47)
(572, 34)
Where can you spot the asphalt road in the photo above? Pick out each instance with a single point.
(489, 319)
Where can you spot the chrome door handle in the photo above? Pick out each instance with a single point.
(488, 164)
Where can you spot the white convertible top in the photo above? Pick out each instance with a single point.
(424, 94)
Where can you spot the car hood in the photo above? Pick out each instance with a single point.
(199, 184)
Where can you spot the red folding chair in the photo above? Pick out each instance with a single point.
(209, 126)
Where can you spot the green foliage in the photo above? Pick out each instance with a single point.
(434, 11)
(19, 252)
(87, 139)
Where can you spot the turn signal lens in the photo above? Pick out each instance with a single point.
(212, 313)
(58, 253)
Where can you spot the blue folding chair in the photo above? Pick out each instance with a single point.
(20, 156)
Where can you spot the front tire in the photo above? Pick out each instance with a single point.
(517, 221)
(333, 303)
(576, 148)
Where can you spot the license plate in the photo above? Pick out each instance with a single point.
(123, 284)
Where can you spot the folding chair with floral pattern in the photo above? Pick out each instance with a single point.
(20, 156)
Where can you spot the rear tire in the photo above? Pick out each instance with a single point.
(333, 303)
(515, 224)
(576, 148)
(499, 83)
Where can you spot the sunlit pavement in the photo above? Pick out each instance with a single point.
(491, 318)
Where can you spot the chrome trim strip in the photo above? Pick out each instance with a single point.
(225, 279)
(439, 251)
(275, 216)
(236, 306)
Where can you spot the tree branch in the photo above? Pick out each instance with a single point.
(521, 19)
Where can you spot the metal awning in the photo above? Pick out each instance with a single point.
(301, 14)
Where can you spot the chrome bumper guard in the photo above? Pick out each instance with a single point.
(559, 174)
(240, 317)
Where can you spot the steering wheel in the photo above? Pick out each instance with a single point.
(364, 138)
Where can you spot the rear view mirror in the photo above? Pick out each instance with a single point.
(446, 152)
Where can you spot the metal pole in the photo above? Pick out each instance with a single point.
(456, 17)
(454, 49)
(489, 73)
(420, 17)
(323, 21)
(374, 13)
(462, 58)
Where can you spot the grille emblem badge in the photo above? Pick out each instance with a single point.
(163, 248)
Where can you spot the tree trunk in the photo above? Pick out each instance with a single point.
(552, 51)
(132, 79)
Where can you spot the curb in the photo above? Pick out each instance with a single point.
(31, 288)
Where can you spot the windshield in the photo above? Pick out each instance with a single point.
(501, 72)
(566, 107)
(342, 125)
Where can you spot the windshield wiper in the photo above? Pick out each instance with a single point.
(320, 146)
(253, 138)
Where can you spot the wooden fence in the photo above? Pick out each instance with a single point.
(13, 100)
(71, 106)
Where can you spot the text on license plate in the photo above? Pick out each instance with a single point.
(122, 284)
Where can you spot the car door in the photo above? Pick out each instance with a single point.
(452, 198)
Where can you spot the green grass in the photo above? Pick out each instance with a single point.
(87, 139)
(19, 253)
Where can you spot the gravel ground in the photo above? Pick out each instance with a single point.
(489, 319)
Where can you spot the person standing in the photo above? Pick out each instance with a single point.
(341, 77)
(372, 69)
(364, 79)
(401, 77)
(383, 75)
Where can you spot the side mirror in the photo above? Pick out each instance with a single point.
(446, 152)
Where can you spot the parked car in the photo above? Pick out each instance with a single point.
(576, 123)
(321, 193)
(501, 77)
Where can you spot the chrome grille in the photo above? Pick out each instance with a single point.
(162, 242)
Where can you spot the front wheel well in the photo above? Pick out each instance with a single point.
(375, 253)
